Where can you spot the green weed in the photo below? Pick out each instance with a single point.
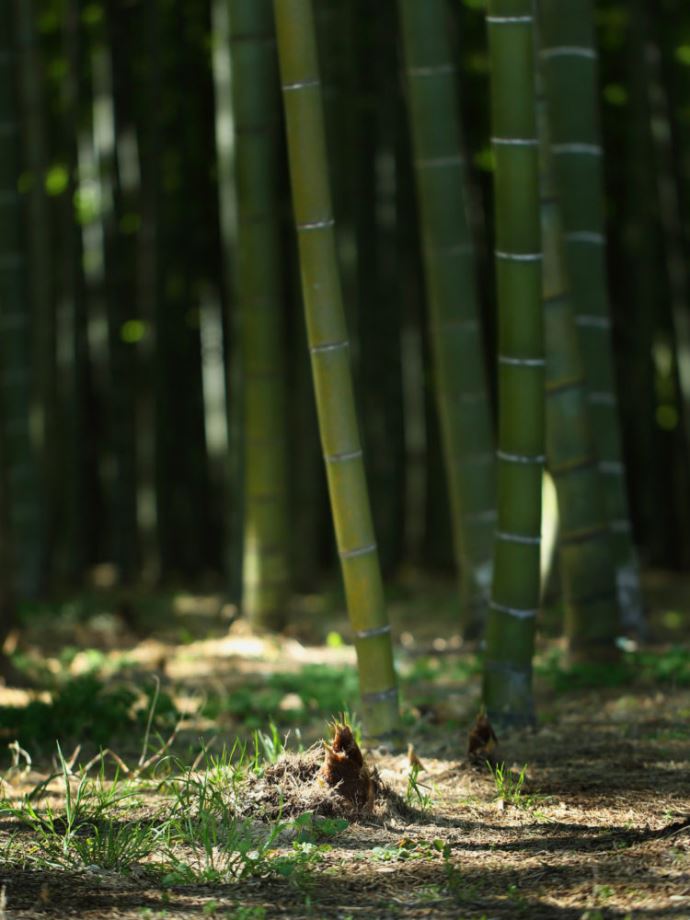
(84, 835)
(416, 792)
(509, 787)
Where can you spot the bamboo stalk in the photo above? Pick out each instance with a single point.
(36, 157)
(227, 202)
(453, 312)
(255, 106)
(119, 259)
(570, 66)
(15, 337)
(588, 574)
(328, 343)
(515, 594)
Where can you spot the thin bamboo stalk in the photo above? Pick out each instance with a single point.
(328, 343)
(570, 67)
(15, 336)
(79, 462)
(588, 573)
(453, 314)
(516, 585)
(33, 122)
(255, 106)
(121, 304)
(227, 202)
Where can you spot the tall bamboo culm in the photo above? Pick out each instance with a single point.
(330, 359)
(570, 66)
(44, 352)
(24, 513)
(516, 582)
(454, 329)
(256, 100)
(588, 574)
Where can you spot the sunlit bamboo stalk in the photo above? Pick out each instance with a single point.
(516, 584)
(329, 347)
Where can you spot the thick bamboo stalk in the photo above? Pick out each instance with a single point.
(255, 106)
(328, 344)
(570, 67)
(454, 328)
(588, 573)
(15, 336)
(515, 595)
(185, 511)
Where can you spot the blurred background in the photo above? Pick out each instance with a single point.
(120, 363)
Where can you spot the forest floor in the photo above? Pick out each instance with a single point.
(590, 817)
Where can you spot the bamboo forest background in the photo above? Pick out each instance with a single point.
(127, 372)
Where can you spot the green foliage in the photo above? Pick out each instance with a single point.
(416, 792)
(90, 832)
(83, 710)
(409, 849)
(648, 668)
(312, 828)
(323, 689)
(509, 786)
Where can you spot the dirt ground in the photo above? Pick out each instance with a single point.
(599, 827)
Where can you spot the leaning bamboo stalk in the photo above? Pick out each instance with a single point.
(516, 584)
(255, 108)
(329, 348)
(454, 329)
(588, 573)
(570, 66)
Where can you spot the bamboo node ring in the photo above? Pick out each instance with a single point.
(595, 150)
(518, 256)
(518, 538)
(317, 224)
(373, 632)
(300, 84)
(329, 346)
(569, 51)
(344, 457)
(508, 20)
(521, 362)
(515, 141)
(430, 71)
(586, 236)
(380, 696)
(360, 551)
(514, 611)
(520, 458)
(597, 322)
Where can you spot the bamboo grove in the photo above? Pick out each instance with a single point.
(296, 293)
